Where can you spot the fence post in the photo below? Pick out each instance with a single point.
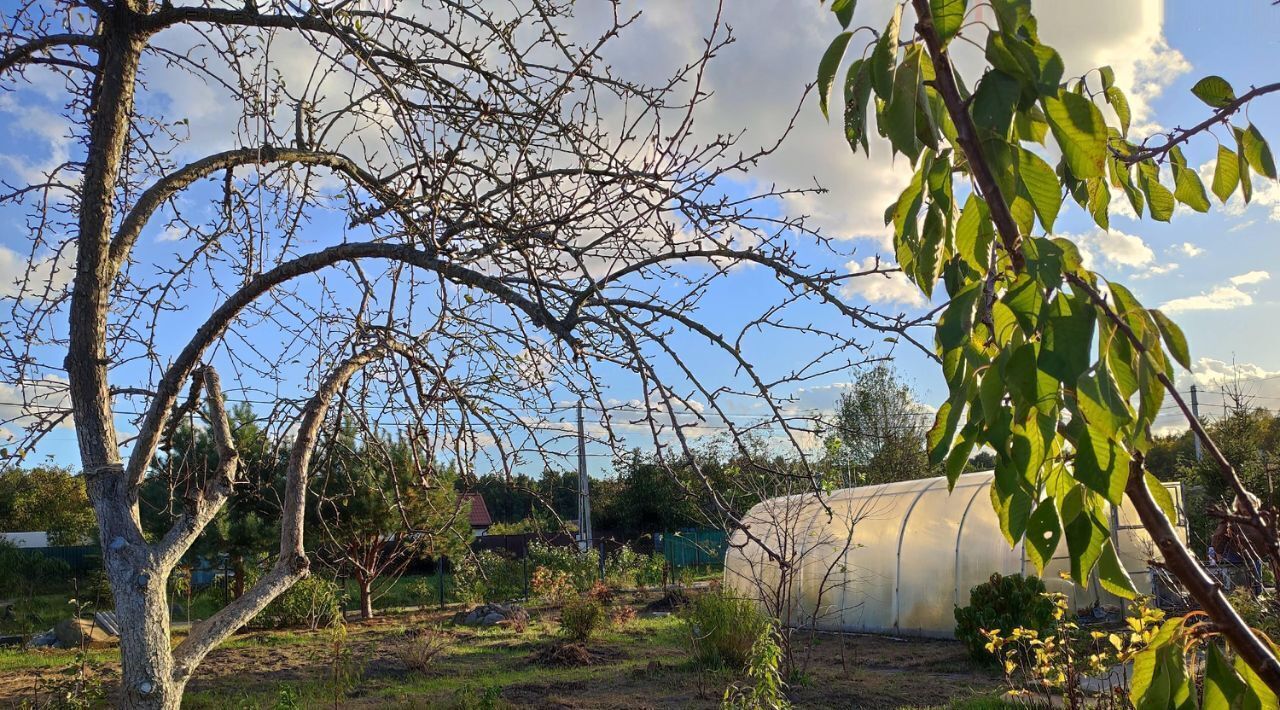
(440, 579)
(602, 561)
(524, 564)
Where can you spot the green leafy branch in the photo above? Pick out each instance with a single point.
(1056, 369)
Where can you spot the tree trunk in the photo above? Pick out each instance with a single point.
(141, 604)
(366, 596)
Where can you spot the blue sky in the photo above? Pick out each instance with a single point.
(1213, 272)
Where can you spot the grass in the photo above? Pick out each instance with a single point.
(648, 663)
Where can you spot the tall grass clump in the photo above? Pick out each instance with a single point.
(722, 629)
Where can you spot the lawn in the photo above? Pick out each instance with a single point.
(645, 663)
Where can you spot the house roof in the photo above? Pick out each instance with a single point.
(479, 511)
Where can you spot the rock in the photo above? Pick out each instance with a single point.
(492, 615)
(73, 633)
(47, 639)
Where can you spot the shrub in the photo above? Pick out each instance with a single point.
(551, 586)
(622, 616)
(1258, 611)
(313, 602)
(488, 576)
(627, 568)
(601, 593)
(421, 648)
(580, 617)
(765, 690)
(582, 566)
(1002, 603)
(723, 629)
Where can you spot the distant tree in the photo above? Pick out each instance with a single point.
(46, 499)
(381, 503)
(649, 499)
(880, 430)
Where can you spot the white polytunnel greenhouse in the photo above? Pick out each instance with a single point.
(898, 558)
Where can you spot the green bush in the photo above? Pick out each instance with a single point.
(628, 568)
(1004, 603)
(1259, 612)
(489, 576)
(313, 602)
(580, 617)
(722, 629)
(582, 566)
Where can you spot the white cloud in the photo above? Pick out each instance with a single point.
(1252, 277)
(1114, 247)
(1190, 249)
(1219, 298)
(1157, 270)
(894, 288)
(19, 276)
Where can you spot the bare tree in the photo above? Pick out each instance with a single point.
(455, 208)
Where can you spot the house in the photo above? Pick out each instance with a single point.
(480, 518)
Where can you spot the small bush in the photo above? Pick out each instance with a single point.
(723, 629)
(1004, 603)
(622, 616)
(421, 648)
(580, 617)
(313, 602)
(551, 586)
(601, 593)
(488, 576)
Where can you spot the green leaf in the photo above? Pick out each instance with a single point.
(1257, 695)
(884, 55)
(1108, 76)
(1012, 501)
(1043, 533)
(1258, 153)
(948, 16)
(1159, 199)
(1226, 175)
(1120, 104)
(1173, 338)
(1084, 543)
(902, 112)
(994, 102)
(1162, 496)
(1025, 298)
(974, 233)
(844, 11)
(1042, 186)
(1099, 201)
(1215, 91)
(1100, 463)
(1224, 689)
(827, 68)
(1081, 133)
(1101, 403)
(1064, 353)
(1188, 189)
(1112, 575)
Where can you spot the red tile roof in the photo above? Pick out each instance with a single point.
(479, 511)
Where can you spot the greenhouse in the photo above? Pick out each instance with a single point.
(897, 558)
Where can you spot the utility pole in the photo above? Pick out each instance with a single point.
(1195, 412)
(584, 486)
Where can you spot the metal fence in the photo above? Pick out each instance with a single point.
(695, 547)
(83, 560)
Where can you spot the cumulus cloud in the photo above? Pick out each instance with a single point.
(891, 288)
(1113, 247)
(1190, 249)
(1219, 298)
